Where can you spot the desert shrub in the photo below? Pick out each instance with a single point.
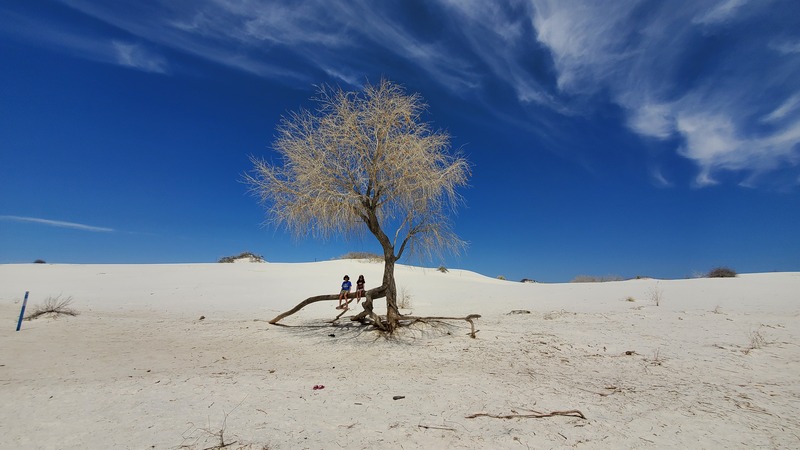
(39, 261)
(52, 306)
(527, 280)
(362, 255)
(442, 269)
(584, 279)
(595, 279)
(721, 272)
(501, 277)
(244, 255)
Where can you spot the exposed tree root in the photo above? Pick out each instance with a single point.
(469, 318)
(532, 415)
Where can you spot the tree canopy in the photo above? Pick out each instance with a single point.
(365, 161)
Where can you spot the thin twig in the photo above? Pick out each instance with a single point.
(533, 415)
(433, 427)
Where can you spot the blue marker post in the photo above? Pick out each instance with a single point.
(22, 312)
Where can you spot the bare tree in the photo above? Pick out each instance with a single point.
(365, 161)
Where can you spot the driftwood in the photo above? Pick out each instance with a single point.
(532, 415)
(368, 313)
(317, 298)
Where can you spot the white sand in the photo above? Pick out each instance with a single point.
(715, 365)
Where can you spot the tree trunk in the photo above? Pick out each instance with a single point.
(392, 313)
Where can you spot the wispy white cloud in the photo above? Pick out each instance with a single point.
(786, 108)
(86, 46)
(659, 179)
(678, 70)
(587, 40)
(719, 12)
(247, 34)
(57, 223)
(652, 119)
(641, 54)
(499, 38)
(138, 57)
(786, 47)
(344, 75)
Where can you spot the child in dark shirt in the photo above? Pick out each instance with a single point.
(360, 288)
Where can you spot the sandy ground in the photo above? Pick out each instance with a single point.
(714, 365)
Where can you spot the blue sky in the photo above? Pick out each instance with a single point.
(607, 138)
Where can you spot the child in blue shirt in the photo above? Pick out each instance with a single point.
(344, 292)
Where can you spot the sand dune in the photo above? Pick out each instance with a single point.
(714, 365)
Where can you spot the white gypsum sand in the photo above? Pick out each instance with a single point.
(714, 365)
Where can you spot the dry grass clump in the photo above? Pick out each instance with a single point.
(404, 299)
(53, 307)
(244, 255)
(595, 279)
(721, 272)
(442, 269)
(656, 294)
(757, 340)
(372, 257)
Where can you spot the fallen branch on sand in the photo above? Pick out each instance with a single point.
(368, 315)
(532, 415)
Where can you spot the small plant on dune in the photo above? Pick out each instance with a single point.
(244, 255)
(584, 279)
(757, 340)
(595, 279)
(501, 277)
(405, 298)
(442, 269)
(721, 272)
(656, 360)
(198, 438)
(656, 294)
(54, 307)
(630, 299)
(40, 261)
(527, 280)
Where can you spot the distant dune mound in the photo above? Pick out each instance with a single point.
(246, 257)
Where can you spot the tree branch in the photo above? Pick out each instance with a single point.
(319, 298)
